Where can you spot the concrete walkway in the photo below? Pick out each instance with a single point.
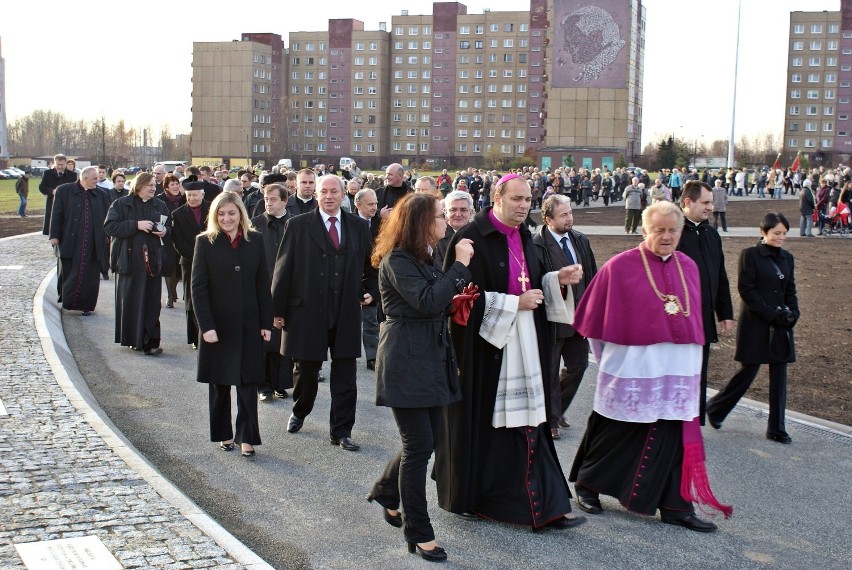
(65, 472)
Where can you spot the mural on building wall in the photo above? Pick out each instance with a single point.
(590, 43)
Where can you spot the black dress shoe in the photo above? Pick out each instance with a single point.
(393, 520)
(153, 351)
(282, 395)
(563, 523)
(780, 438)
(170, 304)
(692, 522)
(226, 446)
(468, 515)
(345, 442)
(265, 397)
(563, 423)
(371, 364)
(587, 501)
(320, 378)
(437, 554)
(716, 424)
(554, 433)
(295, 424)
(247, 452)
(85, 313)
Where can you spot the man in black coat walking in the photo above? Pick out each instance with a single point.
(558, 245)
(303, 201)
(322, 277)
(77, 231)
(50, 181)
(188, 221)
(701, 242)
(278, 371)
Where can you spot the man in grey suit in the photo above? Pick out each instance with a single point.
(558, 245)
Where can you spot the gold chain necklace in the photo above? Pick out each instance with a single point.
(522, 264)
(671, 303)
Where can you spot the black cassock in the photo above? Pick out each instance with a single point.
(185, 228)
(511, 475)
(77, 222)
(137, 259)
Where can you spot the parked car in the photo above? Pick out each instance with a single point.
(3, 176)
(10, 173)
(38, 170)
(16, 169)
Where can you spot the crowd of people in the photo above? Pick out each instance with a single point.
(478, 328)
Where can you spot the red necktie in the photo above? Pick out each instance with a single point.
(332, 231)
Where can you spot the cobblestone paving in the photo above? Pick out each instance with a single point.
(58, 479)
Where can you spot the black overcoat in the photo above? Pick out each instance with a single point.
(762, 291)
(300, 282)
(294, 205)
(704, 246)
(272, 231)
(50, 181)
(184, 231)
(459, 460)
(67, 217)
(231, 295)
(415, 362)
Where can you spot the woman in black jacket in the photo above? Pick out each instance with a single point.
(232, 298)
(768, 313)
(416, 372)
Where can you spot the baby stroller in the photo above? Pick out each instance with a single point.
(837, 220)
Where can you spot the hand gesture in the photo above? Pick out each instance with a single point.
(571, 274)
(531, 300)
(464, 251)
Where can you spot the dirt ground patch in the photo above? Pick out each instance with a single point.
(820, 382)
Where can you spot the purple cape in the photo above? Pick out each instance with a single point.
(620, 305)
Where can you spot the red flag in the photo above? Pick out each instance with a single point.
(795, 166)
(777, 164)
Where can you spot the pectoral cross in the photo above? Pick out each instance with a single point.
(524, 280)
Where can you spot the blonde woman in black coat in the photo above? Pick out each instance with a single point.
(233, 304)
(416, 371)
(768, 312)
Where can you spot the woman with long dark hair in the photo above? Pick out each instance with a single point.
(416, 373)
(768, 312)
(232, 299)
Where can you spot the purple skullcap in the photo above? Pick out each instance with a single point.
(507, 177)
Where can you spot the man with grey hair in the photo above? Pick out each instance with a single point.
(353, 185)
(366, 206)
(559, 245)
(233, 185)
(427, 184)
(458, 208)
(159, 172)
(77, 234)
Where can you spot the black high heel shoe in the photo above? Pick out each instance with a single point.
(393, 520)
(437, 554)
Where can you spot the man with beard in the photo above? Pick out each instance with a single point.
(76, 230)
(278, 370)
(188, 221)
(559, 245)
(497, 458)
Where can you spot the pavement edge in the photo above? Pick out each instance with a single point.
(48, 325)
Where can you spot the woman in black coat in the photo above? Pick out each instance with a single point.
(233, 304)
(416, 371)
(768, 312)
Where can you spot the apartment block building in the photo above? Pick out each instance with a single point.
(819, 86)
(558, 82)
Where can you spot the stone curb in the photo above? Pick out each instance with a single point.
(73, 385)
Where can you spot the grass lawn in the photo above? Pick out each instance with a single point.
(9, 201)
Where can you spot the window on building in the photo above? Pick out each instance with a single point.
(833, 28)
(798, 28)
(812, 94)
(794, 126)
(796, 62)
(816, 28)
(816, 45)
(464, 30)
(794, 109)
(796, 78)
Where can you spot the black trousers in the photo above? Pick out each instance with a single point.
(716, 217)
(722, 403)
(404, 478)
(342, 386)
(278, 373)
(574, 352)
(702, 396)
(248, 429)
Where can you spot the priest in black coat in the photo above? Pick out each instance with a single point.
(278, 372)
(322, 277)
(50, 181)
(77, 231)
(188, 221)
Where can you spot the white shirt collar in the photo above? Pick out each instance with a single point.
(325, 216)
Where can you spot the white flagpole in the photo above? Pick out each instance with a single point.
(734, 108)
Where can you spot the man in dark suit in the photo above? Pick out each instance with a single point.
(366, 206)
(458, 209)
(322, 277)
(77, 232)
(559, 245)
(50, 181)
(188, 221)
(303, 201)
(701, 242)
(278, 372)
